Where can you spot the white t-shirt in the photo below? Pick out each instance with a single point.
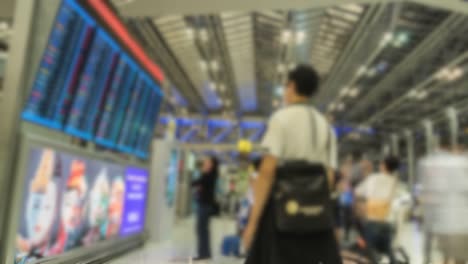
(383, 187)
(290, 136)
(444, 178)
(378, 186)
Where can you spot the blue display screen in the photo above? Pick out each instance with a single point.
(89, 87)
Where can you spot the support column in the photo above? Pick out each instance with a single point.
(411, 157)
(385, 149)
(395, 148)
(429, 135)
(13, 94)
(453, 125)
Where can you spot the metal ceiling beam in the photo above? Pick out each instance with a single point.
(241, 71)
(428, 80)
(224, 133)
(436, 37)
(451, 5)
(226, 60)
(187, 136)
(158, 49)
(7, 8)
(330, 86)
(215, 147)
(151, 8)
(374, 54)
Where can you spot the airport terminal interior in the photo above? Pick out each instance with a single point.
(117, 115)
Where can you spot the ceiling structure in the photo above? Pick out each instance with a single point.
(5, 33)
(7, 9)
(385, 65)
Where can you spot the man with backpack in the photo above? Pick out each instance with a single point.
(292, 217)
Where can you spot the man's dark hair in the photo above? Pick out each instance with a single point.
(215, 164)
(391, 163)
(357, 156)
(256, 163)
(306, 79)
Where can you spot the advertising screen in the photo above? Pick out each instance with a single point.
(71, 201)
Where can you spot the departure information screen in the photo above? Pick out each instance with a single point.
(89, 87)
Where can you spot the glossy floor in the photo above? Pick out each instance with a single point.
(182, 246)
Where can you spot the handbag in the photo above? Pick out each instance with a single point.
(379, 209)
(301, 196)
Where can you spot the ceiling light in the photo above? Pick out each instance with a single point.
(279, 91)
(455, 74)
(292, 65)
(281, 68)
(340, 107)
(285, 36)
(344, 91)
(387, 38)
(371, 72)
(354, 92)
(190, 33)
(123, 2)
(214, 65)
(4, 26)
(203, 65)
(382, 66)
(402, 38)
(413, 94)
(361, 70)
(203, 33)
(442, 74)
(300, 36)
(213, 86)
(447, 74)
(222, 87)
(421, 95)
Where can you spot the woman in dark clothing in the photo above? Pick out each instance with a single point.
(205, 191)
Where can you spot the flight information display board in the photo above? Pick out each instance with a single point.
(89, 87)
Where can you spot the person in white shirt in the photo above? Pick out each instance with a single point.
(379, 191)
(296, 132)
(444, 176)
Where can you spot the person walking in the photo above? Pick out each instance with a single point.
(297, 132)
(205, 191)
(378, 192)
(444, 177)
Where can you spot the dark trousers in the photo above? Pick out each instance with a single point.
(379, 236)
(346, 219)
(203, 230)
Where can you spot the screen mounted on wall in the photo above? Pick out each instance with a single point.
(89, 87)
(70, 201)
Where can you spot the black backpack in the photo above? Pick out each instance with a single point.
(301, 195)
(301, 198)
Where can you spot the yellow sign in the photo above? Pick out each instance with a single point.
(244, 146)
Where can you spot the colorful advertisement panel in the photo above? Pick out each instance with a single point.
(71, 201)
(136, 182)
